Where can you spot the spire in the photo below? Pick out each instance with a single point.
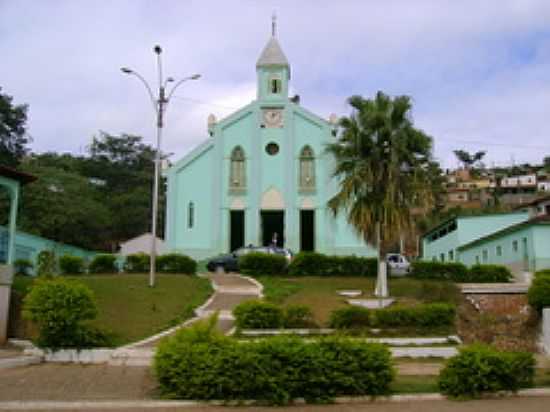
(272, 54)
(274, 25)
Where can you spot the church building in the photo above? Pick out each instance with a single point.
(261, 175)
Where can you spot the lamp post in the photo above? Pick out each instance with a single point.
(160, 104)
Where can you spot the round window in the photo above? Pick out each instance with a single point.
(272, 148)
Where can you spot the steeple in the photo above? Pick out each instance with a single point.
(273, 68)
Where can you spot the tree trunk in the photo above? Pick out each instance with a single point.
(381, 289)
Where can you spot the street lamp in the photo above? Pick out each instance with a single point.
(160, 104)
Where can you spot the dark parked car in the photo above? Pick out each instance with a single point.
(230, 261)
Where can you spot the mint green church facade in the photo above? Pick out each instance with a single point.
(261, 177)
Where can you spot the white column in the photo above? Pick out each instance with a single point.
(545, 338)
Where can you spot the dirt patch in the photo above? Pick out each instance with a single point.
(503, 320)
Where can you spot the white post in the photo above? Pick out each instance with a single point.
(545, 338)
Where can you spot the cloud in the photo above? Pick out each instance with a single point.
(477, 71)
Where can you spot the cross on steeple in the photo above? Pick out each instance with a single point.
(274, 25)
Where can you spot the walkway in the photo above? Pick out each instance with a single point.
(229, 291)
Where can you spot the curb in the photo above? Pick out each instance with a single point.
(152, 404)
(20, 361)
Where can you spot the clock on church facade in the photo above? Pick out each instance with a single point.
(262, 170)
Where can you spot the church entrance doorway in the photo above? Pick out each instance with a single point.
(236, 229)
(307, 230)
(273, 221)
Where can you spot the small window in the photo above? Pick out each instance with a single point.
(485, 255)
(451, 255)
(237, 171)
(275, 86)
(307, 169)
(477, 259)
(442, 257)
(515, 245)
(499, 250)
(191, 215)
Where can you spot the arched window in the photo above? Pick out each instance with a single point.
(275, 84)
(307, 169)
(190, 215)
(237, 172)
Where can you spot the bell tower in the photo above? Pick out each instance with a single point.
(272, 69)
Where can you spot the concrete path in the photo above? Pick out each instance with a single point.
(229, 291)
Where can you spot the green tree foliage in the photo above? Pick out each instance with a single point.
(384, 165)
(13, 137)
(63, 206)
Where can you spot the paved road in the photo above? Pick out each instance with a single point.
(498, 405)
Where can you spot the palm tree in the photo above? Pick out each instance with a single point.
(383, 167)
(468, 159)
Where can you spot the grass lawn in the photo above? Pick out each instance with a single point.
(320, 293)
(131, 311)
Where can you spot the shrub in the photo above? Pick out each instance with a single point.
(256, 314)
(457, 272)
(489, 274)
(421, 316)
(46, 263)
(298, 316)
(137, 263)
(350, 317)
(317, 264)
(257, 264)
(538, 294)
(194, 365)
(73, 265)
(103, 263)
(60, 308)
(22, 267)
(176, 263)
(479, 369)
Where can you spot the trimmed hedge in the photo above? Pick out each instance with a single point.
(71, 265)
(195, 365)
(421, 316)
(176, 263)
(298, 316)
(458, 272)
(258, 264)
(317, 264)
(256, 314)
(480, 369)
(103, 263)
(137, 263)
(538, 294)
(350, 317)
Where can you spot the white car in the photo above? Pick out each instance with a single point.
(398, 264)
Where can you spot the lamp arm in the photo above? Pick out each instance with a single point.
(149, 91)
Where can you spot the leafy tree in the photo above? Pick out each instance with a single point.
(13, 137)
(383, 164)
(469, 159)
(63, 206)
(546, 163)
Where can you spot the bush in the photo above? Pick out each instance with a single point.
(298, 316)
(193, 365)
(350, 317)
(256, 314)
(421, 316)
(73, 265)
(317, 264)
(480, 369)
(457, 272)
(60, 308)
(22, 267)
(489, 274)
(258, 264)
(103, 263)
(137, 263)
(176, 263)
(538, 294)
(46, 263)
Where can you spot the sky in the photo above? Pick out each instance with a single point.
(478, 71)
